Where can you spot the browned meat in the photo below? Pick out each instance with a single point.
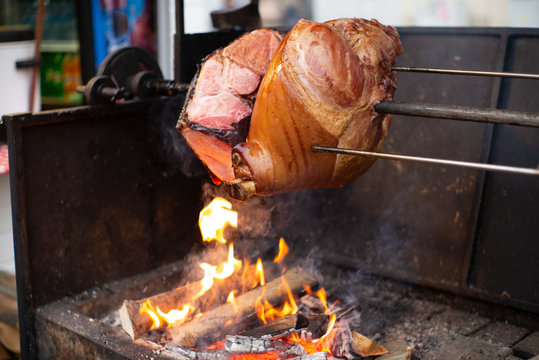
(320, 88)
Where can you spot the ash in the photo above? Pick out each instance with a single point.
(435, 324)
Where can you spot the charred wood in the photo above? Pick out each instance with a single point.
(239, 344)
(223, 320)
(198, 354)
(315, 356)
(286, 324)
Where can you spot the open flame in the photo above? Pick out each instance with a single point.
(221, 271)
(266, 312)
(213, 220)
(283, 250)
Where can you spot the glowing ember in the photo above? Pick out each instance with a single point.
(283, 250)
(214, 218)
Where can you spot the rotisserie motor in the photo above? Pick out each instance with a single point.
(320, 88)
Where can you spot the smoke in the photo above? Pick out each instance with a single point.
(170, 150)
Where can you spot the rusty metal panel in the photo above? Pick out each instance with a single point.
(93, 200)
(506, 258)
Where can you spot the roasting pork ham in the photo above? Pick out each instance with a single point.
(319, 88)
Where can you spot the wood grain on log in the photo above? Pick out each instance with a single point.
(216, 323)
(137, 324)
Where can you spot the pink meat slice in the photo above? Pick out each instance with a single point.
(219, 105)
(228, 80)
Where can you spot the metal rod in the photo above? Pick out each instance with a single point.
(468, 72)
(468, 113)
(466, 164)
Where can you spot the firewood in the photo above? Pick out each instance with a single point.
(137, 324)
(218, 322)
(284, 325)
(364, 346)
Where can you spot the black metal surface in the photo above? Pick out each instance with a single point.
(83, 9)
(94, 200)
(191, 48)
(506, 257)
(246, 18)
(448, 228)
(124, 63)
(456, 112)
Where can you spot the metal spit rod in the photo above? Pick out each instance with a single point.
(467, 72)
(452, 112)
(466, 164)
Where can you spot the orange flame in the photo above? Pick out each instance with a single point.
(283, 250)
(214, 218)
(323, 299)
(160, 318)
(232, 299)
(147, 308)
(260, 272)
(221, 271)
(318, 345)
(175, 316)
(266, 312)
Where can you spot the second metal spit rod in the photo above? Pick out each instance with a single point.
(466, 164)
(452, 112)
(467, 72)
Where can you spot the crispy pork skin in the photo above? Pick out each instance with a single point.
(219, 104)
(320, 88)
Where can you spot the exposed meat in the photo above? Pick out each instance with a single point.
(219, 104)
(320, 88)
(222, 94)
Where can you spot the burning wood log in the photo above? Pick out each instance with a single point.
(284, 325)
(218, 321)
(136, 323)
